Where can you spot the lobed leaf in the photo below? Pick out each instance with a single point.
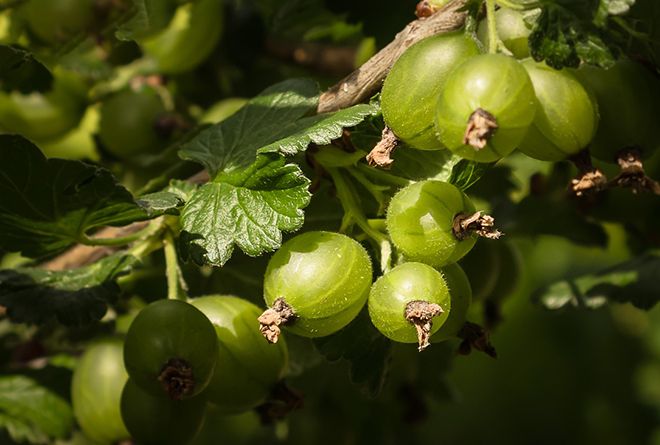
(321, 130)
(570, 32)
(634, 281)
(31, 412)
(233, 143)
(146, 17)
(72, 297)
(49, 204)
(20, 70)
(248, 208)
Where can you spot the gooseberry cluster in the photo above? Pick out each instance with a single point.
(445, 93)
(161, 393)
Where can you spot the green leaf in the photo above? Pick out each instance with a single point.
(418, 165)
(147, 17)
(635, 281)
(160, 202)
(49, 204)
(309, 20)
(233, 143)
(72, 297)
(567, 33)
(249, 208)
(550, 211)
(466, 173)
(31, 412)
(366, 349)
(321, 129)
(19, 70)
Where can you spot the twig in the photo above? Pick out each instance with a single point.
(362, 83)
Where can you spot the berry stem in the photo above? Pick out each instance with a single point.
(175, 284)
(518, 6)
(492, 26)
(382, 175)
(349, 201)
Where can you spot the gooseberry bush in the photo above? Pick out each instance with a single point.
(287, 221)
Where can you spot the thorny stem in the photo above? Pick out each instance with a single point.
(477, 223)
(280, 313)
(380, 154)
(492, 27)
(421, 314)
(632, 173)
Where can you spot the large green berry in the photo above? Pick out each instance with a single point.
(57, 21)
(420, 221)
(482, 266)
(628, 97)
(154, 420)
(96, 387)
(411, 89)
(567, 118)
(461, 298)
(485, 108)
(171, 349)
(248, 367)
(47, 116)
(188, 39)
(322, 277)
(128, 123)
(409, 303)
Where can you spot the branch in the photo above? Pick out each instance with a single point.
(362, 83)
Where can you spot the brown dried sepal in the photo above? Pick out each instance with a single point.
(281, 401)
(475, 337)
(421, 314)
(380, 154)
(177, 379)
(483, 225)
(589, 182)
(632, 173)
(480, 128)
(278, 314)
